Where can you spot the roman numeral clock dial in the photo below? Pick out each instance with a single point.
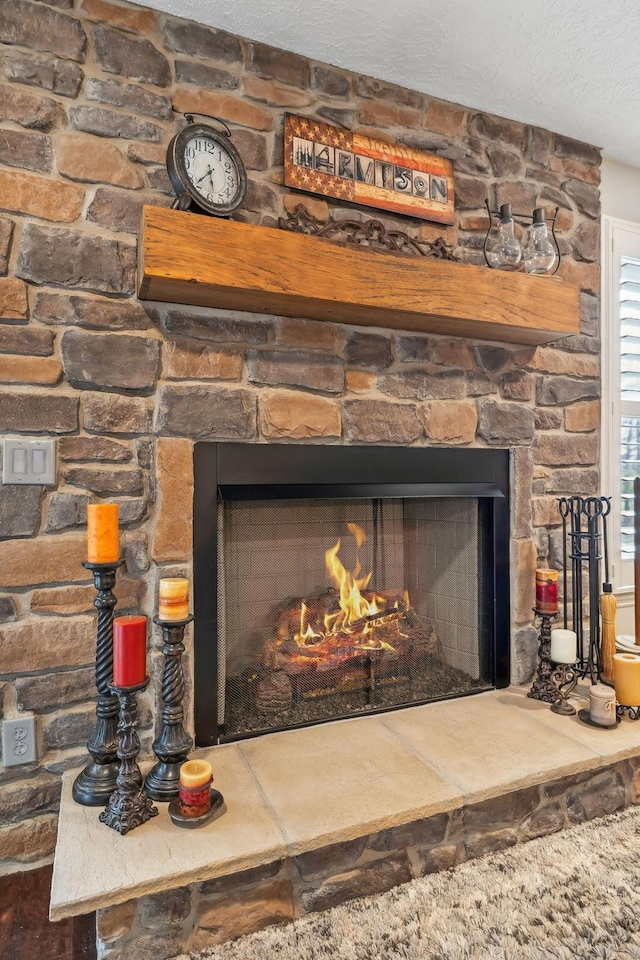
(205, 169)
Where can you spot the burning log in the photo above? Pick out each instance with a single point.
(275, 693)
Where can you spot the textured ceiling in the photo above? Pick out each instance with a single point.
(572, 66)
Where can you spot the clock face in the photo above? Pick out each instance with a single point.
(211, 170)
(205, 167)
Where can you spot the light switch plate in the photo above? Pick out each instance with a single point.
(19, 741)
(29, 461)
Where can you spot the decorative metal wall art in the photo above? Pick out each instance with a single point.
(366, 233)
(327, 160)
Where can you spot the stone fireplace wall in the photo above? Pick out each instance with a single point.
(90, 94)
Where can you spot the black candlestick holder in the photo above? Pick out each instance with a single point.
(94, 785)
(128, 807)
(173, 744)
(564, 679)
(543, 687)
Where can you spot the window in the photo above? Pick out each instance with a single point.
(621, 391)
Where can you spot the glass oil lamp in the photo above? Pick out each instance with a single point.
(539, 254)
(502, 249)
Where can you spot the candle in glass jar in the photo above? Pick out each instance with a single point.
(129, 650)
(564, 646)
(626, 678)
(547, 591)
(173, 599)
(103, 536)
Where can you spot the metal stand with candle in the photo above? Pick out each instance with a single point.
(96, 782)
(173, 744)
(129, 806)
(564, 653)
(197, 801)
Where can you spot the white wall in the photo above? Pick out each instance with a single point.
(620, 190)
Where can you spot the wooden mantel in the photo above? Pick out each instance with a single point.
(190, 259)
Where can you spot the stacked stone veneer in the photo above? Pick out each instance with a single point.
(90, 94)
(204, 914)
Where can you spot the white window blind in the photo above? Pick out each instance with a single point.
(629, 326)
(620, 436)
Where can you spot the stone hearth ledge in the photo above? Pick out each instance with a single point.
(296, 791)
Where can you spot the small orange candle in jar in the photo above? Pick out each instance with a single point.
(194, 798)
(173, 599)
(103, 535)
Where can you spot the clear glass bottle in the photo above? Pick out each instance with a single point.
(503, 249)
(540, 255)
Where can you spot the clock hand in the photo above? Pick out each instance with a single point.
(207, 174)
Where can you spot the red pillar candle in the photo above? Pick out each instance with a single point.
(129, 651)
(547, 591)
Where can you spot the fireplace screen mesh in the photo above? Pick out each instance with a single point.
(330, 608)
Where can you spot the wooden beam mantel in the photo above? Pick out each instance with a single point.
(191, 259)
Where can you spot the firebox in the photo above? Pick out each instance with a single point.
(338, 581)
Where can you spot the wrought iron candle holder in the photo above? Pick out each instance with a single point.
(564, 679)
(128, 807)
(173, 744)
(543, 687)
(631, 713)
(94, 785)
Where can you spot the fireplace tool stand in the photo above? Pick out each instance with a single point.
(94, 785)
(173, 744)
(128, 806)
(584, 529)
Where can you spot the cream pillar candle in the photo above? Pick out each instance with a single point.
(626, 678)
(564, 646)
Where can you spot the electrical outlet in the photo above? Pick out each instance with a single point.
(19, 741)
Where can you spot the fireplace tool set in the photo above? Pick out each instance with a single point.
(584, 647)
(113, 779)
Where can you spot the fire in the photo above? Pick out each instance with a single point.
(358, 615)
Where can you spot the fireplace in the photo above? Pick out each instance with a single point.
(339, 581)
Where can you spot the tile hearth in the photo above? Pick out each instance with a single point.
(293, 792)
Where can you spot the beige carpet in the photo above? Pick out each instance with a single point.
(572, 896)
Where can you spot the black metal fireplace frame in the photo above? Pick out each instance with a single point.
(241, 471)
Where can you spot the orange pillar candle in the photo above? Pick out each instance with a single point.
(103, 536)
(173, 599)
(129, 651)
(626, 678)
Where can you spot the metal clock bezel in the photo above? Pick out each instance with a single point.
(180, 180)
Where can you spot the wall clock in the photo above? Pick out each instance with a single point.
(205, 169)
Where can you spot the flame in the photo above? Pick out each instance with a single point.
(354, 608)
(307, 635)
(353, 605)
